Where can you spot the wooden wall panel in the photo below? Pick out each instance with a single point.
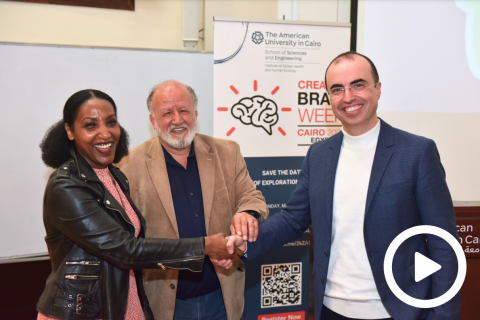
(470, 295)
(21, 286)
(108, 4)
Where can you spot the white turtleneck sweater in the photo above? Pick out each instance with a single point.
(350, 289)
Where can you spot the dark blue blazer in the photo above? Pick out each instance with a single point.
(407, 188)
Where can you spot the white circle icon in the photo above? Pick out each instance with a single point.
(428, 303)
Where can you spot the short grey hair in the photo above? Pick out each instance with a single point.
(152, 91)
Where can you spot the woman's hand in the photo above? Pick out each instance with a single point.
(216, 248)
(234, 243)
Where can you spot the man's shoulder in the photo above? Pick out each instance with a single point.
(216, 143)
(390, 134)
(330, 143)
(138, 153)
(143, 147)
(404, 138)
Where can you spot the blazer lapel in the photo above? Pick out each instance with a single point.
(157, 169)
(383, 153)
(206, 168)
(330, 172)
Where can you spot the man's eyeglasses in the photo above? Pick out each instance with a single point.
(357, 88)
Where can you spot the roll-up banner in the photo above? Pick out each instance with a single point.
(270, 97)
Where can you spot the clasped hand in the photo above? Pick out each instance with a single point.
(224, 251)
(243, 227)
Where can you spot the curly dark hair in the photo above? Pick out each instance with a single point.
(55, 145)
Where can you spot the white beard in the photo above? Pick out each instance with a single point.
(174, 142)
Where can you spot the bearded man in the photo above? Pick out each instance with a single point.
(191, 185)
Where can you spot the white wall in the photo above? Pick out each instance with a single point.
(35, 82)
(259, 9)
(155, 24)
(427, 88)
(320, 10)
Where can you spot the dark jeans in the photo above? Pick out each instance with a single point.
(328, 314)
(207, 307)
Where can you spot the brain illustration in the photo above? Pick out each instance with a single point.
(257, 111)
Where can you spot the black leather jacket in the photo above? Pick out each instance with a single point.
(92, 247)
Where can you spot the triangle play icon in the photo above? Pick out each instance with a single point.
(424, 267)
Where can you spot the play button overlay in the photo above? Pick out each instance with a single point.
(425, 267)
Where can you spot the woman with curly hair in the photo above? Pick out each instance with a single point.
(95, 233)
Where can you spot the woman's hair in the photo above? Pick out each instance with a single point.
(55, 144)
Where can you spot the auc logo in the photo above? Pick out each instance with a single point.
(257, 37)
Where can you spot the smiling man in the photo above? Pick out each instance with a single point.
(189, 185)
(359, 189)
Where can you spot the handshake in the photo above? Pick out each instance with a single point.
(224, 251)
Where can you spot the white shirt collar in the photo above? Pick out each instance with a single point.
(363, 141)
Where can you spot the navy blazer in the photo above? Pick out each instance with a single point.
(407, 188)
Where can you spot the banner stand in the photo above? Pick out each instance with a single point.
(270, 97)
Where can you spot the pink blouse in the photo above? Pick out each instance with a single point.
(134, 308)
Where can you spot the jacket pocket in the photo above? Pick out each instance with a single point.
(87, 269)
(80, 277)
(83, 263)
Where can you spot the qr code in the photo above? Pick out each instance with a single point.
(281, 285)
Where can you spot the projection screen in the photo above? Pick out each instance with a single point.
(428, 57)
